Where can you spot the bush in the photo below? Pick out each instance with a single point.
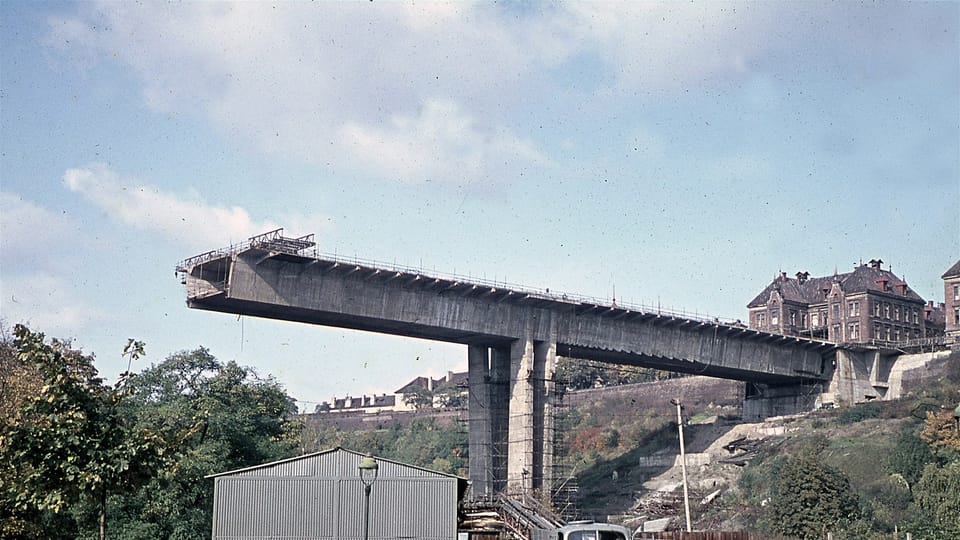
(859, 413)
(810, 498)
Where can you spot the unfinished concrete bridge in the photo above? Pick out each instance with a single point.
(513, 337)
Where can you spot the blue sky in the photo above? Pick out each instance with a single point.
(679, 154)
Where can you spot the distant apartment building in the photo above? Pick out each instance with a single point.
(867, 304)
(438, 393)
(951, 295)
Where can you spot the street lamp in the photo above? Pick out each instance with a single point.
(683, 463)
(368, 475)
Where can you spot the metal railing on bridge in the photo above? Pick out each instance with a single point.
(305, 246)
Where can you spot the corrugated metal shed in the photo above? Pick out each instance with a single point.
(320, 496)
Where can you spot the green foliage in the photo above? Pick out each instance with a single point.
(810, 498)
(859, 413)
(425, 443)
(223, 417)
(451, 397)
(886, 503)
(574, 374)
(418, 397)
(138, 451)
(937, 502)
(70, 443)
(910, 456)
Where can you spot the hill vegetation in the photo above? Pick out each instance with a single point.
(79, 457)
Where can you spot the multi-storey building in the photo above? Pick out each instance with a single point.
(951, 295)
(869, 303)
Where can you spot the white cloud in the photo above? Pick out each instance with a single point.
(442, 142)
(302, 80)
(188, 220)
(431, 89)
(44, 301)
(27, 228)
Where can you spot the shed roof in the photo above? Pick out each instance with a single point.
(331, 454)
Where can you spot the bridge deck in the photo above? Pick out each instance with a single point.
(273, 278)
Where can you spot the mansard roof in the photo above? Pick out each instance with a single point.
(864, 278)
(954, 271)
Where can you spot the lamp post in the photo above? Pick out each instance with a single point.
(368, 475)
(683, 463)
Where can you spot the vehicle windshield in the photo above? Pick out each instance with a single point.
(595, 535)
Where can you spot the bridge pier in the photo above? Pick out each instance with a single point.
(489, 391)
(511, 416)
(480, 434)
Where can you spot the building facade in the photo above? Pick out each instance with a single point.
(867, 304)
(442, 392)
(951, 296)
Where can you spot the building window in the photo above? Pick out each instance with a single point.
(836, 333)
(761, 319)
(896, 313)
(876, 330)
(896, 333)
(956, 292)
(876, 308)
(803, 319)
(774, 320)
(814, 320)
(793, 318)
(956, 316)
(853, 308)
(886, 311)
(887, 332)
(853, 330)
(836, 311)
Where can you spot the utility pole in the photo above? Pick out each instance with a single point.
(683, 464)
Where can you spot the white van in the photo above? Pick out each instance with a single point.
(588, 530)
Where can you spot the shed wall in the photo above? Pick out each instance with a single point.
(307, 499)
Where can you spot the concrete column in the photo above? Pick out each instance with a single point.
(499, 401)
(544, 363)
(520, 438)
(480, 435)
(544, 358)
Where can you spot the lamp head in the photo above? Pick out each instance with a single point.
(368, 470)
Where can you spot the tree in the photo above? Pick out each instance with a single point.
(69, 443)
(940, 431)
(222, 416)
(418, 397)
(451, 396)
(910, 456)
(810, 498)
(937, 500)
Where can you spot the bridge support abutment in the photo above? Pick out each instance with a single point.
(766, 400)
